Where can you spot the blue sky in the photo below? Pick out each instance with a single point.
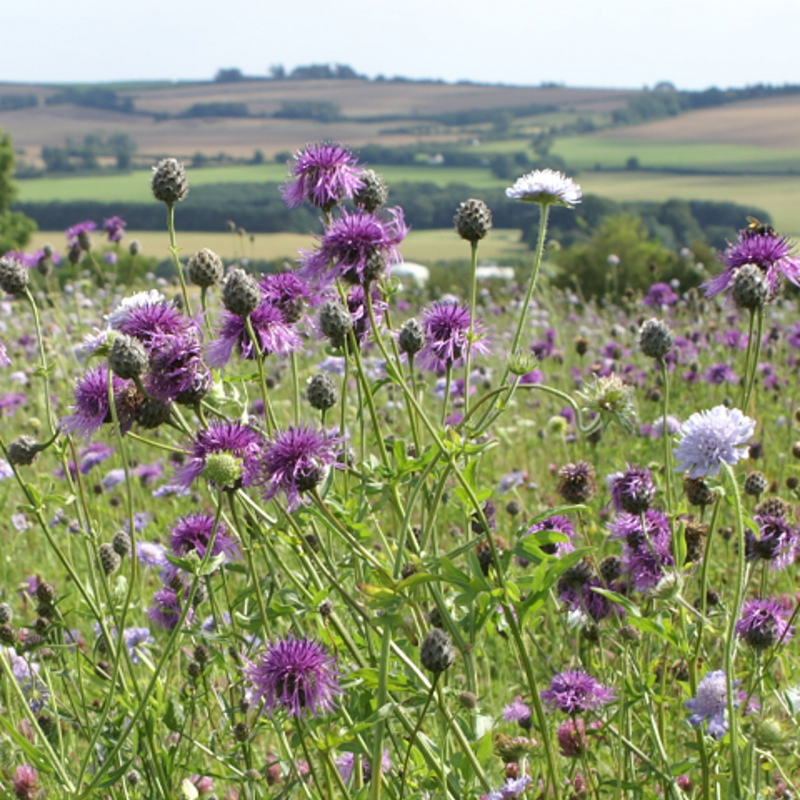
(599, 43)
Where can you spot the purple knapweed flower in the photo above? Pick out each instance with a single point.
(356, 247)
(518, 712)
(762, 624)
(288, 293)
(761, 246)
(632, 491)
(446, 327)
(344, 766)
(559, 524)
(295, 461)
(243, 443)
(115, 228)
(574, 692)
(176, 366)
(165, 610)
(273, 334)
(75, 231)
(297, 675)
(709, 438)
(777, 541)
(717, 374)
(192, 533)
(710, 703)
(323, 175)
(91, 407)
(660, 295)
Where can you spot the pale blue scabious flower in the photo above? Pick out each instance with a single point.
(708, 438)
(5, 470)
(546, 187)
(710, 703)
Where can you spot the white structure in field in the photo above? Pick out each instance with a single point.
(412, 273)
(491, 272)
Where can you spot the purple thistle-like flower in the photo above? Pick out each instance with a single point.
(344, 766)
(571, 737)
(660, 295)
(297, 675)
(446, 327)
(288, 293)
(709, 438)
(763, 247)
(151, 322)
(582, 599)
(91, 408)
(559, 524)
(115, 228)
(75, 231)
(762, 624)
(165, 611)
(628, 527)
(518, 712)
(777, 541)
(574, 692)
(351, 244)
(323, 175)
(192, 533)
(717, 374)
(632, 491)
(176, 365)
(274, 335)
(240, 441)
(710, 703)
(295, 461)
(644, 563)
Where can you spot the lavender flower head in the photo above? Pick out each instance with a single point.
(241, 445)
(5, 361)
(127, 304)
(709, 438)
(90, 403)
(574, 692)
(517, 712)
(762, 624)
(762, 246)
(323, 175)
(75, 233)
(295, 461)
(446, 327)
(559, 524)
(136, 639)
(297, 675)
(192, 533)
(710, 703)
(25, 785)
(659, 295)
(165, 611)
(547, 187)
(356, 247)
(288, 293)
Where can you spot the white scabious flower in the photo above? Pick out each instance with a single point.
(546, 187)
(708, 438)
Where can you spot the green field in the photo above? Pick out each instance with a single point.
(135, 186)
(424, 246)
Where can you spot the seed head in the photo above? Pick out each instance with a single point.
(240, 293)
(5, 613)
(45, 592)
(22, 451)
(755, 484)
(169, 181)
(335, 322)
(108, 558)
(152, 414)
(373, 191)
(121, 543)
(134, 248)
(655, 338)
(436, 653)
(751, 289)
(127, 358)
(473, 220)
(13, 276)
(241, 731)
(576, 482)
(697, 492)
(205, 268)
(321, 392)
(411, 338)
(467, 700)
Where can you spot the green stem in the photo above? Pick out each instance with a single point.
(174, 250)
(472, 303)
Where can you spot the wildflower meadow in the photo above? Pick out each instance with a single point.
(320, 534)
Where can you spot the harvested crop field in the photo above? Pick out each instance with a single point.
(772, 122)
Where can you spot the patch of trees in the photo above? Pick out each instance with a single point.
(232, 75)
(217, 109)
(13, 102)
(85, 155)
(319, 110)
(666, 101)
(93, 97)
(15, 227)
